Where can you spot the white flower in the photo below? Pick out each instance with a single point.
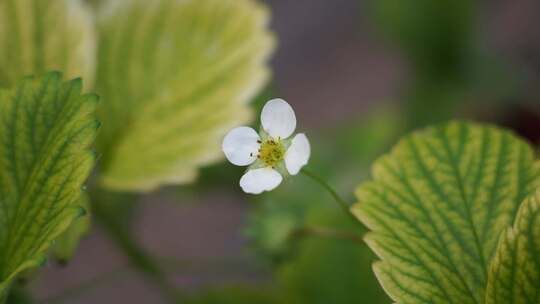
(271, 154)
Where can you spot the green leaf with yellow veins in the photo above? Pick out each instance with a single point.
(46, 127)
(37, 36)
(66, 244)
(176, 76)
(514, 275)
(437, 205)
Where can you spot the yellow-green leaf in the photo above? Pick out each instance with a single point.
(176, 75)
(42, 35)
(514, 275)
(66, 244)
(437, 205)
(46, 126)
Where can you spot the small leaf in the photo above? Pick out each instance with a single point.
(46, 126)
(176, 76)
(514, 275)
(38, 36)
(66, 244)
(437, 206)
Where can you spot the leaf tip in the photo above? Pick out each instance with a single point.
(41, 261)
(94, 155)
(92, 97)
(81, 212)
(77, 84)
(51, 76)
(97, 124)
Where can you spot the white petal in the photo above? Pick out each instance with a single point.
(258, 180)
(278, 118)
(298, 154)
(240, 146)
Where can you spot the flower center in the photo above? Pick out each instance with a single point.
(271, 152)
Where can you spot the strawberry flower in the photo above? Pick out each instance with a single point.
(270, 154)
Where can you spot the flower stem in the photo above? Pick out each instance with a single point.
(340, 201)
(139, 259)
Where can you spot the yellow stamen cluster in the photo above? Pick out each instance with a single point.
(271, 152)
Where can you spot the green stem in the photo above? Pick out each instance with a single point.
(340, 201)
(139, 259)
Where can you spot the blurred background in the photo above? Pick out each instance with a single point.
(359, 74)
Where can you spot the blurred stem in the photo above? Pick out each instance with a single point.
(171, 266)
(340, 201)
(139, 259)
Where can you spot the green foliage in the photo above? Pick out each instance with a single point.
(434, 35)
(46, 126)
(312, 269)
(176, 76)
(66, 244)
(278, 215)
(448, 67)
(271, 230)
(514, 275)
(437, 206)
(236, 295)
(19, 296)
(329, 270)
(37, 36)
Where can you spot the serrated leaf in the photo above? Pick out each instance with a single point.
(66, 244)
(437, 205)
(37, 36)
(176, 76)
(514, 275)
(46, 126)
